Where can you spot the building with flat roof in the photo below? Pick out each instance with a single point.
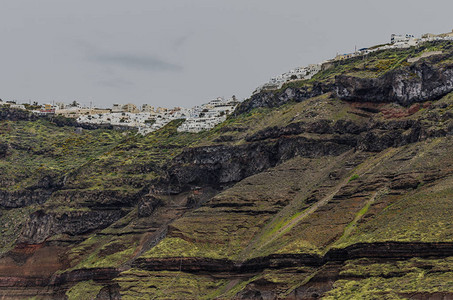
(132, 108)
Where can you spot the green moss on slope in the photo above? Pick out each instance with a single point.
(84, 290)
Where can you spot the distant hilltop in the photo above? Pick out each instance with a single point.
(397, 41)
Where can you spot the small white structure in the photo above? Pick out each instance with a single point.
(18, 106)
(147, 108)
(395, 38)
(116, 108)
(60, 105)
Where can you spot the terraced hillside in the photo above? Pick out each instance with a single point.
(339, 187)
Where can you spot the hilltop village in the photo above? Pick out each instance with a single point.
(396, 42)
(147, 118)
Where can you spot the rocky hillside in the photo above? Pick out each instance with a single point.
(339, 187)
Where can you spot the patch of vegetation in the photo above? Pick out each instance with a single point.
(181, 248)
(394, 279)
(84, 290)
(134, 162)
(141, 284)
(353, 177)
(420, 214)
(11, 223)
(411, 218)
(104, 251)
(39, 149)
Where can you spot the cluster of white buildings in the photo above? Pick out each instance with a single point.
(400, 41)
(11, 104)
(299, 73)
(148, 118)
(208, 115)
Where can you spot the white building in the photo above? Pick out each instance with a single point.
(116, 108)
(18, 106)
(147, 108)
(60, 105)
(395, 38)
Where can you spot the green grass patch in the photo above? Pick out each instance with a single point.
(84, 290)
(353, 177)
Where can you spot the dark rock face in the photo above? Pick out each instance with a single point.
(99, 199)
(225, 164)
(98, 274)
(220, 165)
(147, 205)
(110, 292)
(36, 194)
(390, 250)
(380, 250)
(3, 149)
(270, 99)
(23, 198)
(260, 289)
(42, 225)
(416, 83)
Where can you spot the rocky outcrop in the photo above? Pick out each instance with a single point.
(348, 129)
(221, 165)
(109, 292)
(98, 274)
(277, 98)
(35, 194)
(98, 199)
(381, 250)
(147, 205)
(15, 199)
(417, 83)
(43, 225)
(225, 164)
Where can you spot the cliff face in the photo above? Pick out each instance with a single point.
(41, 225)
(271, 99)
(416, 83)
(406, 84)
(338, 188)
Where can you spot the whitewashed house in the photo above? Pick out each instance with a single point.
(17, 106)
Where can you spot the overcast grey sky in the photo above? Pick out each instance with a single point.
(185, 52)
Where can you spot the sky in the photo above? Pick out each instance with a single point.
(185, 52)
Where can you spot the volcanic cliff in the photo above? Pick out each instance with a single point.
(340, 187)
